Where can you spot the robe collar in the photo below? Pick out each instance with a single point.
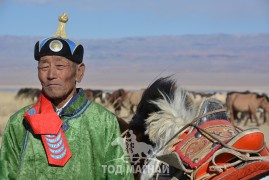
(75, 105)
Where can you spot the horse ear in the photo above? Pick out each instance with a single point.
(189, 100)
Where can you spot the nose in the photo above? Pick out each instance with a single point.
(52, 73)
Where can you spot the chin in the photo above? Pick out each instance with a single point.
(55, 93)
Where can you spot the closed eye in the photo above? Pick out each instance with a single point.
(60, 66)
(43, 68)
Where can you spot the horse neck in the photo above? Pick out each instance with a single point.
(260, 101)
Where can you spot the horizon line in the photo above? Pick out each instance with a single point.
(145, 36)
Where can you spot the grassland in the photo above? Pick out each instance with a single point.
(8, 106)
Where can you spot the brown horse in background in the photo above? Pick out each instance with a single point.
(31, 93)
(246, 102)
(116, 99)
(132, 99)
(93, 93)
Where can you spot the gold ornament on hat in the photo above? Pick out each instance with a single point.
(61, 27)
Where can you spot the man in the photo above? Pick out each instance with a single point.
(63, 135)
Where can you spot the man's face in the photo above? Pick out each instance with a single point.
(58, 76)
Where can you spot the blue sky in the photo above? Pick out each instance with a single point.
(102, 19)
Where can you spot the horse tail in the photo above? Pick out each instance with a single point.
(228, 99)
(231, 96)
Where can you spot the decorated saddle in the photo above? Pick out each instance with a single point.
(211, 147)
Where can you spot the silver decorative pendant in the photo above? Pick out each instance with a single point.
(56, 45)
(60, 156)
(56, 146)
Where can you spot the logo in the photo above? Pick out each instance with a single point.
(135, 152)
(56, 45)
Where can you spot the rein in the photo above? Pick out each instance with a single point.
(183, 128)
(192, 124)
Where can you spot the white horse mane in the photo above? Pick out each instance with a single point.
(174, 114)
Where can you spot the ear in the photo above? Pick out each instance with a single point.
(80, 72)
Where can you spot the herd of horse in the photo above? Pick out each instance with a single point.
(191, 135)
(241, 106)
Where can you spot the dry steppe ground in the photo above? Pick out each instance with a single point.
(9, 105)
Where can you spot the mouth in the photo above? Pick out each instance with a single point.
(52, 85)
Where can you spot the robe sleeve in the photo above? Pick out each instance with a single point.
(9, 155)
(118, 166)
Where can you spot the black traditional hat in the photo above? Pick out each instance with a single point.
(59, 44)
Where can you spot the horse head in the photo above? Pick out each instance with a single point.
(161, 103)
(162, 86)
(196, 139)
(265, 104)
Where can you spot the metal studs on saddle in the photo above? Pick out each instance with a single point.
(209, 105)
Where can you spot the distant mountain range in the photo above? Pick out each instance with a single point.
(148, 56)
